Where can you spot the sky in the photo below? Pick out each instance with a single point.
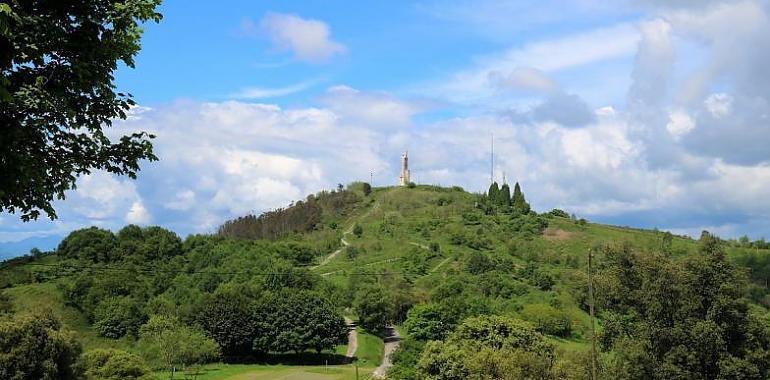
(645, 113)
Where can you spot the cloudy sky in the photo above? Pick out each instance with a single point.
(646, 113)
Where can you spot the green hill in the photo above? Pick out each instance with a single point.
(425, 258)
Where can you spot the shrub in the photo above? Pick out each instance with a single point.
(358, 230)
(548, 320)
(110, 364)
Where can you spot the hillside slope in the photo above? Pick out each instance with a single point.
(431, 256)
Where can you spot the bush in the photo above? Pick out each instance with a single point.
(558, 212)
(358, 230)
(351, 252)
(367, 188)
(110, 364)
(548, 320)
(411, 185)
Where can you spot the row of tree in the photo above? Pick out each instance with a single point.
(302, 216)
(500, 199)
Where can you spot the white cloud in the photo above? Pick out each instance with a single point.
(679, 123)
(483, 80)
(526, 78)
(265, 92)
(308, 39)
(370, 108)
(719, 105)
(138, 214)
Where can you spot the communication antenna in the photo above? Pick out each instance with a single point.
(492, 159)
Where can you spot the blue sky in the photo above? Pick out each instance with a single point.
(642, 112)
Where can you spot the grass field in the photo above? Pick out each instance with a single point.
(277, 372)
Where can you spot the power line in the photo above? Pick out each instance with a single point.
(181, 271)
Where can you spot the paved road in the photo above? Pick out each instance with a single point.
(352, 339)
(392, 340)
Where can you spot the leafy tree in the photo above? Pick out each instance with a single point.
(367, 188)
(118, 316)
(173, 344)
(681, 319)
(57, 65)
(373, 308)
(227, 317)
(405, 360)
(111, 364)
(489, 347)
(298, 321)
(35, 347)
(427, 322)
(91, 244)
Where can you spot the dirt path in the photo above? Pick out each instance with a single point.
(344, 242)
(352, 339)
(440, 264)
(334, 254)
(423, 246)
(392, 340)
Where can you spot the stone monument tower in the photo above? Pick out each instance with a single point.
(403, 180)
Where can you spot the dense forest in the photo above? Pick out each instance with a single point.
(479, 285)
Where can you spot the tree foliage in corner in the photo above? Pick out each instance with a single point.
(57, 64)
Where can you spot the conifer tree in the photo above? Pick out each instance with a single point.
(520, 204)
(505, 196)
(494, 193)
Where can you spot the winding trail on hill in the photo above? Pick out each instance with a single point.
(344, 242)
(334, 254)
(440, 264)
(392, 340)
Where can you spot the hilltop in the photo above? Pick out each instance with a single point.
(426, 259)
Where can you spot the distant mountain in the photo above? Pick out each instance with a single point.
(18, 248)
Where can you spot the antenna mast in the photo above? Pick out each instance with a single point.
(492, 159)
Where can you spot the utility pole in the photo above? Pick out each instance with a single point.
(591, 312)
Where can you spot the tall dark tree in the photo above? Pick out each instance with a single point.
(494, 193)
(505, 196)
(57, 93)
(227, 317)
(520, 204)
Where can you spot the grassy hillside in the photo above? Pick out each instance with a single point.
(423, 245)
